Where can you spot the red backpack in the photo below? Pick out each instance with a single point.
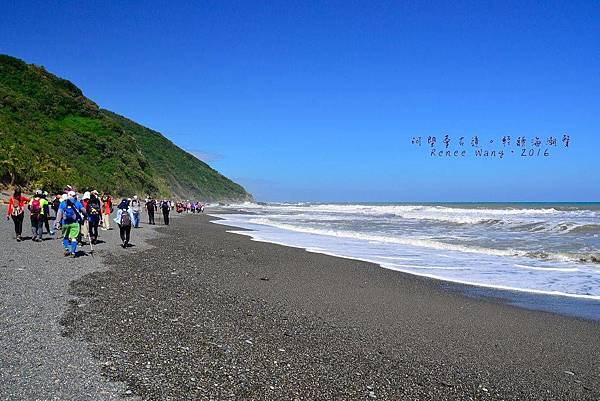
(36, 207)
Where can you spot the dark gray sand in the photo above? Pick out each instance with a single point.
(36, 361)
(212, 315)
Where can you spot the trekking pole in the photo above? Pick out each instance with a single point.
(91, 244)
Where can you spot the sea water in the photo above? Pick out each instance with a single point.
(539, 248)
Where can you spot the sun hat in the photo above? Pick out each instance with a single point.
(86, 195)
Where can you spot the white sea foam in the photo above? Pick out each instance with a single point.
(419, 242)
(554, 269)
(540, 219)
(520, 249)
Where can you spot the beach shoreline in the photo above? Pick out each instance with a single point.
(583, 307)
(209, 314)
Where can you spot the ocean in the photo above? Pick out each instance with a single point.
(545, 248)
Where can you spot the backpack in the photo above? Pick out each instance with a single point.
(17, 209)
(70, 213)
(36, 207)
(125, 218)
(93, 207)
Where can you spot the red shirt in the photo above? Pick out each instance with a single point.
(21, 204)
(106, 205)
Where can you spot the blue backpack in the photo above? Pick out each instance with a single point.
(70, 213)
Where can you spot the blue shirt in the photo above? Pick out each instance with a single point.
(63, 206)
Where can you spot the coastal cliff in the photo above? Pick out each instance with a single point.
(52, 135)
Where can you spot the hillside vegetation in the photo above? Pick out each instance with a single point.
(51, 135)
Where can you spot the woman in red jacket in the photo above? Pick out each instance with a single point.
(16, 211)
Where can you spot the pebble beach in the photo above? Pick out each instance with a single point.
(194, 312)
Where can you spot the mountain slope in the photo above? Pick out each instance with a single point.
(51, 135)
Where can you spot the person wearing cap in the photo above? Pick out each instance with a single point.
(84, 229)
(124, 220)
(36, 214)
(93, 208)
(70, 214)
(46, 214)
(136, 208)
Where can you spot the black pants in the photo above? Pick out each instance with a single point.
(93, 227)
(47, 223)
(125, 231)
(166, 216)
(151, 217)
(18, 220)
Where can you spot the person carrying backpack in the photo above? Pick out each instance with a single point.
(70, 214)
(84, 226)
(124, 220)
(47, 213)
(16, 211)
(36, 211)
(93, 209)
(151, 207)
(166, 209)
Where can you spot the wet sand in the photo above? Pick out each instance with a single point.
(208, 314)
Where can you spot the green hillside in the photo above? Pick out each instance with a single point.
(51, 135)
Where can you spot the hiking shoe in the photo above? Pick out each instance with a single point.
(18, 238)
(73, 255)
(67, 252)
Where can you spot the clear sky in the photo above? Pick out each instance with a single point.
(319, 101)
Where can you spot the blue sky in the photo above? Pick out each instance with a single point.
(319, 100)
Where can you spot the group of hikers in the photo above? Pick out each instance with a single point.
(80, 217)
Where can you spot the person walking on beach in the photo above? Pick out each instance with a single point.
(136, 208)
(166, 209)
(84, 229)
(69, 217)
(93, 208)
(36, 215)
(124, 220)
(106, 210)
(47, 213)
(16, 211)
(55, 204)
(151, 207)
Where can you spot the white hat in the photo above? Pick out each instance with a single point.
(86, 195)
(72, 193)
